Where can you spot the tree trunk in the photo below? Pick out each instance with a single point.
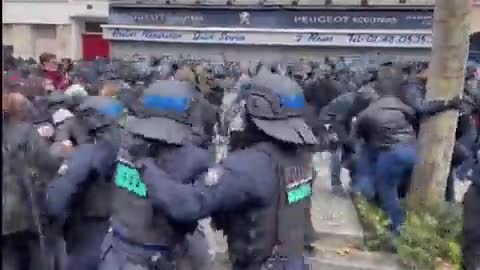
(445, 81)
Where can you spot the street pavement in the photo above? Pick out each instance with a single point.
(335, 219)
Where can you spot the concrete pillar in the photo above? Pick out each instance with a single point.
(76, 37)
(64, 40)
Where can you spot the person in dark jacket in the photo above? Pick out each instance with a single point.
(27, 238)
(413, 94)
(322, 90)
(388, 128)
(339, 114)
(471, 215)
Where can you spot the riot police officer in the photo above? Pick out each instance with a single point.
(80, 196)
(162, 124)
(257, 195)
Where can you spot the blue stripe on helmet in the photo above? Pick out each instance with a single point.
(114, 110)
(178, 104)
(296, 101)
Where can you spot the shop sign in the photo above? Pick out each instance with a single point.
(273, 18)
(394, 40)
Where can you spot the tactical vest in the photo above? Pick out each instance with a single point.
(134, 216)
(95, 199)
(16, 206)
(98, 199)
(99, 195)
(255, 235)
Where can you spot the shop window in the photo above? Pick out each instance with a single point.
(7, 33)
(93, 27)
(45, 39)
(45, 31)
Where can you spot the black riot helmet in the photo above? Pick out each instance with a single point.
(219, 71)
(100, 116)
(99, 111)
(166, 111)
(275, 105)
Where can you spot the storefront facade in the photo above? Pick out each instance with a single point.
(261, 34)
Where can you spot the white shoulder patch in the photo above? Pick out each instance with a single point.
(63, 169)
(61, 115)
(213, 176)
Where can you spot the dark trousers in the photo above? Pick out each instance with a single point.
(384, 174)
(336, 166)
(462, 153)
(341, 157)
(310, 234)
(84, 242)
(363, 179)
(21, 251)
(393, 171)
(116, 254)
(471, 228)
(293, 263)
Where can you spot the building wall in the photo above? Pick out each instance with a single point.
(34, 27)
(44, 38)
(31, 40)
(475, 20)
(21, 37)
(52, 11)
(21, 20)
(31, 12)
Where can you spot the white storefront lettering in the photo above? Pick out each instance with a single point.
(420, 40)
(412, 39)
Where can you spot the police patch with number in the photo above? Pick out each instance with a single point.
(298, 184)
(128, 177)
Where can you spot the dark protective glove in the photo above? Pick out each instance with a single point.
(151, 174)
(433, 107)
(455, 103)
